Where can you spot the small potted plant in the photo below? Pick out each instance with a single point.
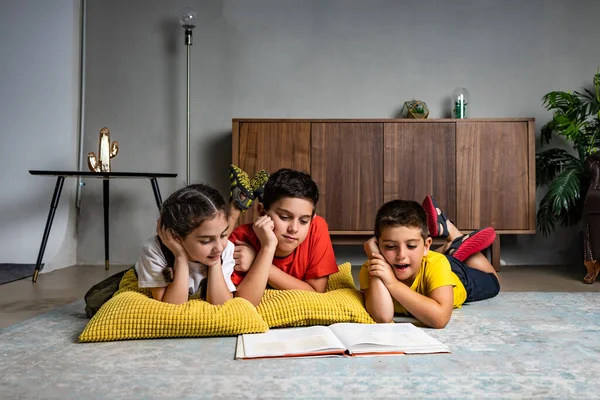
(415, 109)
(576, 117)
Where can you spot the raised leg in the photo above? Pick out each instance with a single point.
(234, 216)
(243, 192)
(156, 191)
(477, 260)
(480, 262)
(53, 205)
(105, 200)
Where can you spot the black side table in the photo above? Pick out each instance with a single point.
(106, 177)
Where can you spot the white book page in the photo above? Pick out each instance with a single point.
(386, 337)
(239, 348)
(290, 341)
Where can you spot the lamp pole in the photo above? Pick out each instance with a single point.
(188, 22)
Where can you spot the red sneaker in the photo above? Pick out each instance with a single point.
(436, 219)
(465, 246)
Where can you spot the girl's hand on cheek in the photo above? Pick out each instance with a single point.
(169, 240)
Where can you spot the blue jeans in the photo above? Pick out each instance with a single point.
(478, 284)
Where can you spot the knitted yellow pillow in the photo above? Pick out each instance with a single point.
(129, 283)
(132, 314)
(342, 279)
(340, 303)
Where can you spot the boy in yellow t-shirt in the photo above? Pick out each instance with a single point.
(403, 276)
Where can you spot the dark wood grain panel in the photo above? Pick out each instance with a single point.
(347, 164)
(493, 175)
(531, 186)
(271, 146)
(481, 170)
(419, 160)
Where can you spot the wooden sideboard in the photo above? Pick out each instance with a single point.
(481, 171)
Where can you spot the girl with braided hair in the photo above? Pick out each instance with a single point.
(190, 253)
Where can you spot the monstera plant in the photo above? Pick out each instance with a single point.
(576, 117)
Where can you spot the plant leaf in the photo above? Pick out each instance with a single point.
(565, 190)
(545, 220)
(564, 200)
(560, 101)
(546, 133)
(573, 215)
(551, 162)
(576, 117)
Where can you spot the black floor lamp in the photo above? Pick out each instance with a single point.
(188, 22)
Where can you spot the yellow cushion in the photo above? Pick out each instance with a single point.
(133, 315)
(340, 303)
(342, 279)
(129, 283)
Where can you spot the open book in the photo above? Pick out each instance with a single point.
(338, 339)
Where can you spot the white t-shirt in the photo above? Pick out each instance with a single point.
(151, 263)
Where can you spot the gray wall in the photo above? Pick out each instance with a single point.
(39, 100)
(311, 59)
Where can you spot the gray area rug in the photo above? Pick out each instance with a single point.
(14, 272)
(517, 345)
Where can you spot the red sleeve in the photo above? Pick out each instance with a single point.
(321, 259)
(243, 233)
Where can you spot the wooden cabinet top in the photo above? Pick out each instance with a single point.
(409, 120)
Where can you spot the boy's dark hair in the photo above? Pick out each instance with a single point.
(407, 213)
(290, 183)
(185, 210)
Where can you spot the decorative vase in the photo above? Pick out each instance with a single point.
(459, 103)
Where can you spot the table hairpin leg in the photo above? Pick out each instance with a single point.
(156, 191)
(105, 176)
(105, 200)
(105, 193)
(55, 197)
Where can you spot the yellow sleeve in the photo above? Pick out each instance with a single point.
(438, 272)
(363, 276)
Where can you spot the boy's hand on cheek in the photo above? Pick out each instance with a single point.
(244, 256)
(263, 227)
(380, 268)
(371, 247)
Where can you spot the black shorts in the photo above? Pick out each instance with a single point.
(478, 284)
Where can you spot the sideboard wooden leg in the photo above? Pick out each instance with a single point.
(496, 254)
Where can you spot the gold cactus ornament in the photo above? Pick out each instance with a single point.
(106, 151)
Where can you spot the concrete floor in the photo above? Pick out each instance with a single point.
(24, 299)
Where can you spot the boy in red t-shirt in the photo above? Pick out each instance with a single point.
(288, 246)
